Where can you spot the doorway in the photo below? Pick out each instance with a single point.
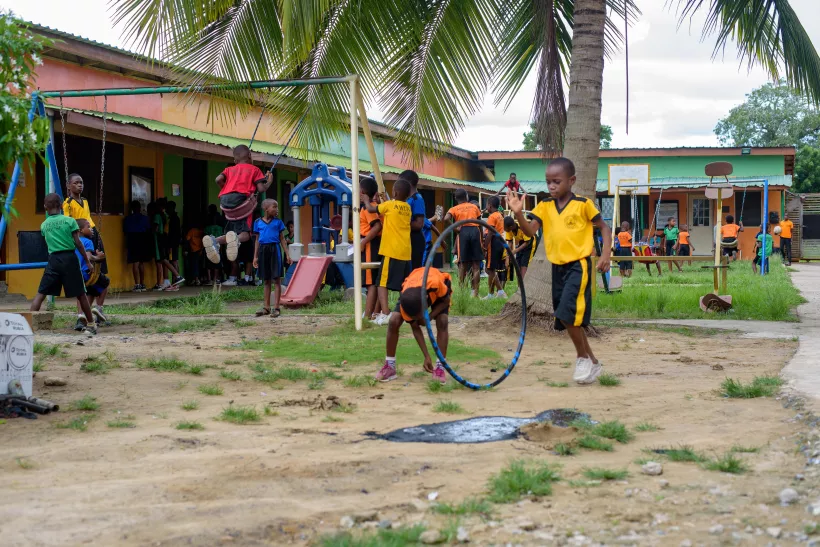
(700, 224)
(194, 190)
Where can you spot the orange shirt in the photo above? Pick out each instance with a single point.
(194, 239)
(438, 286)
(729, 230)
(497, 222)
(625, 239)
(683, 238)
(464, 211)
(366, 219)
(786, 228)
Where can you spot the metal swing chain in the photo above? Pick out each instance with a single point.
(65, 150)
(102, 163)
(743, 203)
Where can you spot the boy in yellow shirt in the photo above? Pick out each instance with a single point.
(76, 207)
(567, 221)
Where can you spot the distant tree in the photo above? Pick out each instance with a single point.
(530, 142)
(777, 115)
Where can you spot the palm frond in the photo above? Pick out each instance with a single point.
(767, 33)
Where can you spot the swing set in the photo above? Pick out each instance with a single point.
(54, 184)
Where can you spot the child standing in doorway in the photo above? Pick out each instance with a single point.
(269, 248)
(137, 230)
(164, 267)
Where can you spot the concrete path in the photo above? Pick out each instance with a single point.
(803, 371)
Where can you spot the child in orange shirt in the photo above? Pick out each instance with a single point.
(729, 232)
(470, 239)
(495, 250)
(370, 228)
(684, 246)
(625, 249)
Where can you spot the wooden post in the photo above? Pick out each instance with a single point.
(725, 275)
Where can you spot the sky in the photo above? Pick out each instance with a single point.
(678, 92)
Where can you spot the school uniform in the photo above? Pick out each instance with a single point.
(524, 256)
(137, 229)
(160, 238)
(421, 241)
(469, 237)
(395, 244)
(786, 227)
(439, 285)
(270, 252)
(624, 249)
(670, 233)
(77, 209)
(769, 248)
(495, 247)
(683, 244)
(568, 242)
(240, 185)
(62, 273)
(370, 252)
(729, 234)
(100, 282)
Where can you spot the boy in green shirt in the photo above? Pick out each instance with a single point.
(63, 273)
(759, 249)
(670, 234)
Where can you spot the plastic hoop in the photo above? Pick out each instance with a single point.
(517, 355)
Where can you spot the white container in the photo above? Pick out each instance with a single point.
(16, 352)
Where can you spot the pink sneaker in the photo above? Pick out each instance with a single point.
(386, 374)
(440, 374)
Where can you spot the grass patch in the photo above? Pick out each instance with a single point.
(80, 423)
(24, 463)
(121, 424)
(290, 373)
(521, 479)
(86, 403)
(360, 381)
(603, 474)
(557, 384)
(740, 449)
(205, 303)
(170, 364)
(37, 366)
(330, 418)
(242, 323)
(231, 375)
(190, 405)
(449, 407)
(48, 350)
(186, 326)
(211, 389)
(760, 386)
(240, 414)
(645, 427)
(434, 386)
(812, 529)
(564, 449)
(100, 364)
(591, 442)
(583, 484)
(471, 506)
(396, 537)
(609, 380)
(189, 425)
(614, 430)
(270, 412)
(682, 453)
(728, 463)
(316, 384)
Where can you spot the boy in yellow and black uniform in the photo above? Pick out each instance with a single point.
(395, 247)
(76, 207)
(567, 221)
(523, 246)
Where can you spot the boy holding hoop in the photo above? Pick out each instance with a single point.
(567, 221)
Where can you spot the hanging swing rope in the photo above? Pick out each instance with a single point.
(102, 164)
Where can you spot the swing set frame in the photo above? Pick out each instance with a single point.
(358, 115)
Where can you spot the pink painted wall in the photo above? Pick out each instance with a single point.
(393, 157)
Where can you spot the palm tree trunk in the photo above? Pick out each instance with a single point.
(581, 143)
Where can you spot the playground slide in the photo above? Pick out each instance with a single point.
(306, 281)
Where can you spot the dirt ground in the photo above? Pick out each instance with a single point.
(289, 479)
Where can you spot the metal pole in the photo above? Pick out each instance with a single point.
(51, 159)
(763, 260)
(15, 178)
(28, 266)
(357, 238)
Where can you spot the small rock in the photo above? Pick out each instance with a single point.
(385, 524)
(431, 537)
(716, 530)
(799, 477)
(526, 525)
(419, 505)
(347, 521)
(652, 468)
(55, 381)
(774, 532)
(788, 496)
(80, 343)
(663, 483)
(365, 516)
(462, 535)
(717, 367)
(686, 543)
(432, 496)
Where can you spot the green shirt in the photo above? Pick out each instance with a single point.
(671, 234)
(59, 233)
(160, 222)
(769, 245)
(213, 230)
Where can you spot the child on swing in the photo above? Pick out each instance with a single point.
(567, 221)
(97, 288)
(239, 184)
(729, 233)
(76, 207)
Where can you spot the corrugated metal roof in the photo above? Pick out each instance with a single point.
(716, 148)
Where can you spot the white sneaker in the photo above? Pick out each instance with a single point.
(211, 248)
(231, 246)
(483, 275)
(382, 319)
(489, 296)
(501, 294)
(473, 294)
(583, 367)
(595, 371)
(229, 283)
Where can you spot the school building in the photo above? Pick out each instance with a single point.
(677, 180)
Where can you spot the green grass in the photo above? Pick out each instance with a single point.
(395, 537)
(812, 529)
(365, 347)
(564, 449)
(644, 427)
(240, 414)
(470, 506)
(291, 373)
(434, 386)
(88, 403)
(360, 381)
(24, 463)
(242, 323)
(683, 453)
(331, 418)
(100, 364)
(740, 449)
(557, 384)
(727, 463)
(80, 423)
(521, 479)
(270, 412)
(449, 407)
(771, 297)
(38, 366)
(190, 405)
(48, 350)
(316, 384)
(609, 380)
(591, 442)
(121, 424)
(211, 389)
(761, 386)
(230, 375)
(170, 364)
(186, 326)
(205, 303)
(603, 474)
(189, 425)
(614, 430)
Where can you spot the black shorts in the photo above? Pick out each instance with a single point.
(418, 246)
(246, 252)
(270, 261)
(496, 254)
(524, 256)
(238, 226)
(572, 293)
(139, 247)
(728, 251)
(62, 273)
(670, 247)
(624, 251)
(96, 239)
(684, 250)
(173, 252)
(393, 272)
(370, 253)
(161, 247)
(469, 245)
(97, 288)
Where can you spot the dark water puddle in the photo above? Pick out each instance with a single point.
(484, 429)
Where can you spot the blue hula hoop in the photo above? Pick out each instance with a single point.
(434, 343)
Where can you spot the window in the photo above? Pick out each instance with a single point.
(701, 212)
(752, 210)
(84, 155)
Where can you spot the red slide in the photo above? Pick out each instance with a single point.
(306, 281)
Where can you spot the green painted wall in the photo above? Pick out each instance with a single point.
(172, 174)
(341, 146)
(676, 166)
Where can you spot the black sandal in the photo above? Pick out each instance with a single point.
(276, 313)
(262, 311)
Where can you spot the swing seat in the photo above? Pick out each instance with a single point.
(731, 244)
(616, 283)
(643, 251)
